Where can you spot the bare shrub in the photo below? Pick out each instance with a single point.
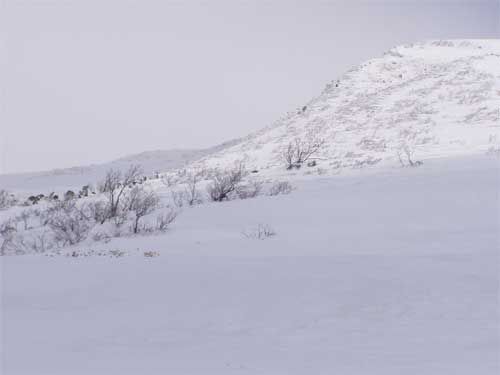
(69, 223)
(192, 194)
(250, 190)
(178, 198)
(41, 241)
(141, 203)
(299, 151)
(224, 183)
(288, 156)
(164, 220)
(151, 254)
(8, 232)
(7, 200)
(260, 232)
(117, 253)
(115, 184)
(168, 180)
(101, 236)
(406, 156)
(406, 148)
(25, 218)
(280, 187)
(98, 210)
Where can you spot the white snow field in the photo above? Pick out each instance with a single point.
(393, 272)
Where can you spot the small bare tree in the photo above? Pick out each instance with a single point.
(115, 184)
(288, 156)
(165, 219)
(192, 194)
(299, 151)
(141, 203)
(225, 182)
(306, 149)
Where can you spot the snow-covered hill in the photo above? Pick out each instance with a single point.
(440, 98)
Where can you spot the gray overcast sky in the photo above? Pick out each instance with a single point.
(91, 80)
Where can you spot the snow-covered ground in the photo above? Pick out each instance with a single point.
(388, 272)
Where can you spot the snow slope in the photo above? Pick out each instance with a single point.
(393, 273)
(440, 97)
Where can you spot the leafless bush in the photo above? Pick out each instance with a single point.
(8, 232)
(192, 194)
(115, 184)
(98, 210)
(406, 156)
(151, 254)
(280, 187)
(406, 148)
(7, 200)
(41, 241)
(288, 156)
(299, 151)
(250, 190)
(101, 236)
(168, 180)
(25, 218)
(260, 232)
(225, 183)
(117, 253)
(141, 203)
(178, 198)
(165, 219)
(69, 223)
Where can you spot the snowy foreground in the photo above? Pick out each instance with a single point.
(394, 272)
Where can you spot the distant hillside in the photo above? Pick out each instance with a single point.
(439, 98)
(73, 178)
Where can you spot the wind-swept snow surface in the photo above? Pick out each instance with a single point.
(393, 273)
